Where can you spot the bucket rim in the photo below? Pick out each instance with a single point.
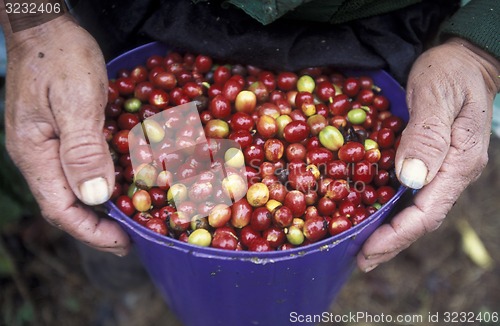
(256, 257)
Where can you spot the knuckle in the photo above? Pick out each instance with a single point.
(432, 137)
(432, 224)
(50, 215)
(483, 161)
(478, 166)
(79, 149)
(27, 133)
(425, 221)
(77, 225)
(82, 156)
(466, 134)
(425, 226)
(468, 165)
(408, 235)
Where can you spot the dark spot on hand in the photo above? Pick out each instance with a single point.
(41, 55)
(116, 242)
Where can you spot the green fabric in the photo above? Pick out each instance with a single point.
(333, 11)
(267, 11)
(478, 22)
(317, 10)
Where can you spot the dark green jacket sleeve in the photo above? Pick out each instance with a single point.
(478, 22)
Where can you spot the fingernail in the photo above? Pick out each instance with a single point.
(413, 173)
(94, 191)
(369, 269)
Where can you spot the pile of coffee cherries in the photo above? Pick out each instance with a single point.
(317, 149)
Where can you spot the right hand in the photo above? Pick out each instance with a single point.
(444, 147)
(55, 100)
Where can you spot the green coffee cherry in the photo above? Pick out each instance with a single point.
(177, 193)
(153, 130)
(356, 116)
(331, 138)
(282, 121)
(145, 176)
(295, 235)
(306, 84)
(234, 158)
(132, 105)
(200, 237)
(370, 144)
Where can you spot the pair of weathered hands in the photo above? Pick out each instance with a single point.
(57, 91)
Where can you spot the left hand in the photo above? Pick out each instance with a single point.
(444, 148)
(56, 94)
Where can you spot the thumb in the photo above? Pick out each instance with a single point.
(87, 163)
(84, 153)
(426, 140)
(441, 83)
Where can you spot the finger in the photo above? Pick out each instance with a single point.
(42, 169)
(405, 228)
(465, 160)
(426, 139)
(79, 114)
(426, 214)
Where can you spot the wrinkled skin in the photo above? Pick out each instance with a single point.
(450, 96)
(55, 115)
(56, 95)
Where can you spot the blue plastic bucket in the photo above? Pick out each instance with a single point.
(206, 286)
